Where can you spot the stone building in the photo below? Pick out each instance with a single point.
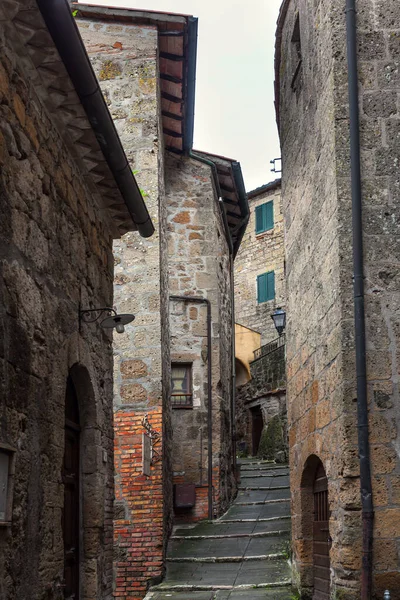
(312, 102)
(63, 198)
(260, 263)
(178, 284)
(260, 358)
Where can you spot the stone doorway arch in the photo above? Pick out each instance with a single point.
(314, 562)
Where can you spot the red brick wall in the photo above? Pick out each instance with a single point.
(138, 532)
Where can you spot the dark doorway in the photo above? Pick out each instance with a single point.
(257, 427)
(321, 536)
(70, 477)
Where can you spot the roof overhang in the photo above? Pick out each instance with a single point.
(177, 42)
(265, 189)
(230, 187)
(45, 37)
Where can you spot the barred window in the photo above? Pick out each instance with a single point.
(181, 394)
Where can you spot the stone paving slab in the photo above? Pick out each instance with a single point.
(278, 494)
(275, 525)
(217, 574)
(264, 481)
(220, 529)
(208, 548)
(258, 511)
(274, 594)
(251, 496)
(268, 545)
(257, 572)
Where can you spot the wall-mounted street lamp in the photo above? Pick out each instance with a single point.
(279, 319)
(111, 321)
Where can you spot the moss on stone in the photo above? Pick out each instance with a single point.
(272, 445)
(109, 70)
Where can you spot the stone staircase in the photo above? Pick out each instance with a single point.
(242, 555)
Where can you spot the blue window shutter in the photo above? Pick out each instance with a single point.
(270, 285)
(259, 219)
(269, 217)
(262, 288)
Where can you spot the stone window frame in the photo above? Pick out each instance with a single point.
(189, 395)
(11, 451)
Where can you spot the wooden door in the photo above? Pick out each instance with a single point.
(257, 427)
(70, 477)
(321, 537)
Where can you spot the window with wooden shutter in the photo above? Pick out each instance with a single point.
(264, 217)
(266, 287)
(181, 386)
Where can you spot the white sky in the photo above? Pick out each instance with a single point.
(235, 113)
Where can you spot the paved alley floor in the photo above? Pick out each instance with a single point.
(242, 555)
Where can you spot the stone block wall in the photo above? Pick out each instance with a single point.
(199, 265)
(124, 57)
(265, 390)
(56, 256)
(314, 130)
(258, 254)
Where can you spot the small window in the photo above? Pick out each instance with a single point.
(7, 456)
(181, 389)
(266, 287)
(265, 217)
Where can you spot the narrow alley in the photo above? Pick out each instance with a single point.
(246, 549)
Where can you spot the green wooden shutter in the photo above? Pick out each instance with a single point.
(269, 215)
(270, 277)
(264, 217)
(259, 219)
(262, 288)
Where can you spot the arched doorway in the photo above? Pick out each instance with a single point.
(71, 510)
(313, 565)
(321, 538)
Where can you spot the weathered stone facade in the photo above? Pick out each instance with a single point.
(261, 253)
(199, 265)
(312, 100)
(190, 254)
(56, 257)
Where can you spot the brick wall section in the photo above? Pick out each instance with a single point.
(199, 265)
(55, 255)
(128, 78)
(138, 540)
(258, 254)
(320, 349)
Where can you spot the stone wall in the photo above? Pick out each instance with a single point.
(314, 130)
(265, 390)
(199, 265)
(258, 254)
(55, 257)
(124, 57)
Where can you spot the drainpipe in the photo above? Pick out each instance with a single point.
(359, 313)
(198, 299)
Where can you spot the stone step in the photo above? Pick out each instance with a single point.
(260, 495)
(227, 548)
(276, 593)
(227, 575)
(258, 480)
(260, 502)
(219, 529)
(257, 512)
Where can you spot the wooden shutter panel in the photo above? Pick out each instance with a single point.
(262, 288)
(269, 216)
(270, 285)
(259, 219)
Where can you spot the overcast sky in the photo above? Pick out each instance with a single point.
(235, 113)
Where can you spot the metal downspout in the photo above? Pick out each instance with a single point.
(359, 312)
(201, 300)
